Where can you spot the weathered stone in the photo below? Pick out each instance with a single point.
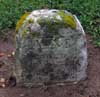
(50, 47)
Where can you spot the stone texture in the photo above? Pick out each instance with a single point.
(50, 48)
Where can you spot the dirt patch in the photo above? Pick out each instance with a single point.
(87, 88)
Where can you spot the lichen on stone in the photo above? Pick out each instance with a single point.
(20, 22)
(24, 33)
(30, 21)
(43, 21)
(68, 19)
(35, 34)
(52, 25)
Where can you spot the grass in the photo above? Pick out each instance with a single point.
(88, 12)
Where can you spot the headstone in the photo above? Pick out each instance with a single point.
(50, 48)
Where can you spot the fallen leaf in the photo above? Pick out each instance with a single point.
(22, 95)
(2, 54)
(13, 53)
(9, 55)
(2, 80)
(3, 85)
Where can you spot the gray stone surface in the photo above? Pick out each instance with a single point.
(50, 48)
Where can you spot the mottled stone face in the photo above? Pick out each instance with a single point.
(50, 47)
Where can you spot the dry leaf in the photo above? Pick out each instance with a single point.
(3, 85)
(2, 80)
(13, 53)
(2, 54)
(9, 55)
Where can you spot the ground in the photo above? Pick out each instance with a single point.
(90, 87)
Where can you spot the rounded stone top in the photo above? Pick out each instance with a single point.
(40, 17)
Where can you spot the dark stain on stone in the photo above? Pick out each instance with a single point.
(65, 75)
(58, 76)
(71, 64)
(52, 76)
(47, 69)
(47, 38)
(29, 76)
(62, 75)
(31, 64)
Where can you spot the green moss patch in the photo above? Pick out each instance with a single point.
(20, 22)
(68, 19)
(35, 34)
(24, 33)
(51, 25)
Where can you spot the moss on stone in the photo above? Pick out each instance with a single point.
(68, 19)
(52, 25)
(24, 33)
(43, 21)
(35, 34)
(57, 21)
(20, 22)
(30, 21)
(51, 28)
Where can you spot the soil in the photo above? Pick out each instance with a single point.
(90, 87)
